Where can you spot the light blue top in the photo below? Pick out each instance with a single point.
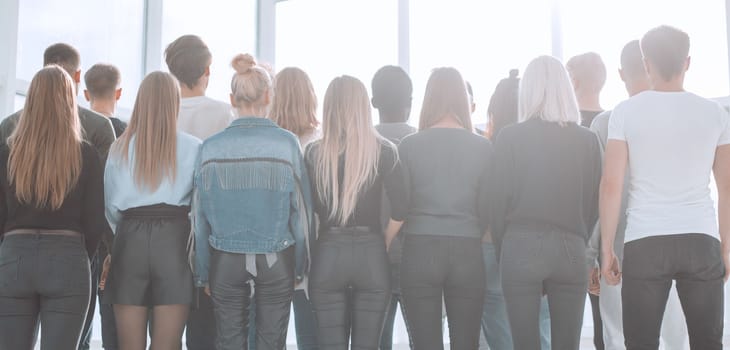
(121, 193)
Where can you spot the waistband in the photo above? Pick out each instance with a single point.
(42, 232)
(157, 210)
(352, 230)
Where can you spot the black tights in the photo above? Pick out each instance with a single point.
(168, 322)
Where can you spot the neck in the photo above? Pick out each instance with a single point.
(588, 102)
(392, 118)
(104, 107)
(675, 84)
(197, 90)
(251, 112)
(448, 122)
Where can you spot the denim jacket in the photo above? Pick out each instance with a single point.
(252, 195)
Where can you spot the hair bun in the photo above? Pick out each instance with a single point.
(513, 73)
(243, 63)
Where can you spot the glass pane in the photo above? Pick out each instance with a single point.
(102, 31)
(19, 102)
(621, 21)
(227, 27)
(329, 38)
(482, 39)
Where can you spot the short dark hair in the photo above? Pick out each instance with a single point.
(187, 58)
(102, 80)
(392, 90)
(666, 48)
(502, 107)
(63, 55)
(632, 63)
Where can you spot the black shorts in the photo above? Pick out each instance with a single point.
(149, 258)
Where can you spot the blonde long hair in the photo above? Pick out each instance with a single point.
(295, 104)
(45, 148)
(153, 127)
(446, 97)
(347, 131)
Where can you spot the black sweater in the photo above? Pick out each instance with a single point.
(82, 210)
(546, 176)
(370, 199)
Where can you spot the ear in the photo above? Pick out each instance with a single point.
(621, 74)
(118, 94)
(77, 76)
(87, 96)
(207, 71)
(489, 128)
(372, 101)
(687, 63)
(473, 107)
(233, 100)
(576, 84)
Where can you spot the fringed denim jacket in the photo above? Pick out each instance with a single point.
(252, 195)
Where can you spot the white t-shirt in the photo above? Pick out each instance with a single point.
(671, 138)
(203, 117)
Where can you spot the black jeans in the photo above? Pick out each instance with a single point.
(350, 258)
(200, 329)
(230, 286)
(650, 265)
(436, 268)
(46, 277)
(552, 262)
(304, 322)
(85, 342)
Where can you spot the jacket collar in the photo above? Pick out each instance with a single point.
(252, 122)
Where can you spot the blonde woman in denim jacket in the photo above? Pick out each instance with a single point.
(252, 216)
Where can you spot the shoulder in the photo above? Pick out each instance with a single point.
(222, 109)
(89, 153)
(89, 117)
(187, 139)
(600, 122)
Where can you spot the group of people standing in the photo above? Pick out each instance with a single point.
(214, 223)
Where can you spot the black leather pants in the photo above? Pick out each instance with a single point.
(350, 258)
(230, 286)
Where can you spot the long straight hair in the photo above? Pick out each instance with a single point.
(347, 130)
(295, 104)
(45, 148)
(546, 93)
(446, 97)
(153, 127)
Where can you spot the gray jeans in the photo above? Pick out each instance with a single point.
(46, 278)
(550, 262)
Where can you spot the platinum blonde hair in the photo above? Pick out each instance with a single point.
(546, 93)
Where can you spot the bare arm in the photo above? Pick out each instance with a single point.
(391, 231)
(721, 169)
(612, 182)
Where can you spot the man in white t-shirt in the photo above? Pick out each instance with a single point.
(674, 328)
(188, 59)
(672, 140)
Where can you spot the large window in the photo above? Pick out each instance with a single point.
(482, 39)
(102, 31)
(606, 26)
(329, 38)
(227, 27)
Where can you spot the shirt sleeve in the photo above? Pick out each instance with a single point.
(725, 122)
(484, 181)
(94, 222)
(397, 185)
(201, 226)
(616, 125)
